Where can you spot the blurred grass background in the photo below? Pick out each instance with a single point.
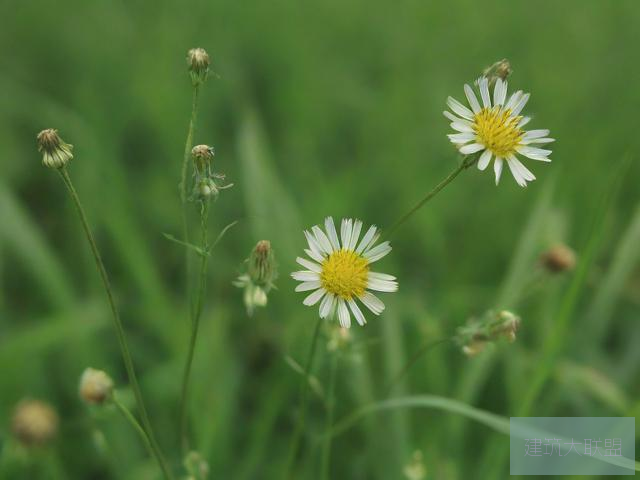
(323, 108)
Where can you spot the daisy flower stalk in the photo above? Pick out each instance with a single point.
(494, 130)
(339, 272)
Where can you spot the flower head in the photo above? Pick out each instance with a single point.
(198, 63)
(341, 272)
(496, 130)
(95, 386)
(34, 423)
(55, 152)
(205, 179)
(261, 273)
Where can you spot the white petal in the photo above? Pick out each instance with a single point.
(483, 83)
(520, 174)
(308, 264)
(461, 126)
(471, 97)
(372, 302)
(314, 297)
(367, 239)
(524, 121)
(357, 312)
(537, 141)
(306, 286)
(382, 285)
(472, 148)
(459, 108)
(520, 105)
(315, 255)
(497, 168)
(513, 99)
(322, 240)
(313, 244)
(345, 232)
(355, 234)
(305, 276)
(461, 137)
(535, 153)
(535, 134)
(524, 171)
(382, 276)
(451, 116)
(343, 314)
(331, 231)
(327, 305)
(499, 92)
(377, 252)
(484, 160)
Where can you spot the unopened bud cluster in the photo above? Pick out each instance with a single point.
(198, 63)
(34, 423)
(55, 152)
(500, 69)
(474, 337)
(96, 387)
(205, 179)
(258, 280)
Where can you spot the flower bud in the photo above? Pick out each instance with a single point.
(500, 69)
(416, 469)
(34, 423)
(196, 466)
(558, 259)
(202, 156)
(198, 63)
(508, 327)
(55, 152)
(95, 386)
(474, 337)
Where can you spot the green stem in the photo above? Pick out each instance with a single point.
(134, 423)
(195, 324)
(464, 164)
(304, 398)
(412, 361)
(326, 443)
(124, 348)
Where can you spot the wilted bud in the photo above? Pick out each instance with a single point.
(34, 423)
(55, 152)
(95, 386)
(508, 327)
(198, 62)
(415, 470)
(558, 259)
(500, 69)
(262, 264)
(474, 337)
(196, 466)
(202, 156)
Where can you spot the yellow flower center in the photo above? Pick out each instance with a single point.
(345, 273)
(497, 130)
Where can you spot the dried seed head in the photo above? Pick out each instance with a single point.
(559, 258)
(262, 264)
(96, 386)
(501, 69)
(198, 63)
(55, 152)
(34, 423)
(202, 156)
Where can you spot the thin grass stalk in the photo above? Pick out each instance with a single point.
(126, 413)
(122, 341)
(304, 399)
(195, 324)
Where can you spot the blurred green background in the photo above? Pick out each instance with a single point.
(322, 108)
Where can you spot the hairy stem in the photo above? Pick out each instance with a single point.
(304, 398)
(464, 164)
(124, 348)
(195, 324)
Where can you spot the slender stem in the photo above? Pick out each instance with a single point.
(304, 397)
(195, 324)
(134, 423)
(184, 190)
(464, 164)
(412, 361)
(124, 348)
(326, 443)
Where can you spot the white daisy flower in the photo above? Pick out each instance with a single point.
(339, 272)
(496, 130)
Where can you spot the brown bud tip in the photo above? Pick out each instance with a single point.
(202, 152)
(95, 386)
(198, 62)
(48, 140)
(263, 247)
(55, 152)
(559, 258)
(34, 423)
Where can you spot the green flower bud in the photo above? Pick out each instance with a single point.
(96, 386)
(198, 64)
(55, 152)
(34, 423)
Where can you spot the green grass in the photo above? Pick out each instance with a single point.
(333, 108)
